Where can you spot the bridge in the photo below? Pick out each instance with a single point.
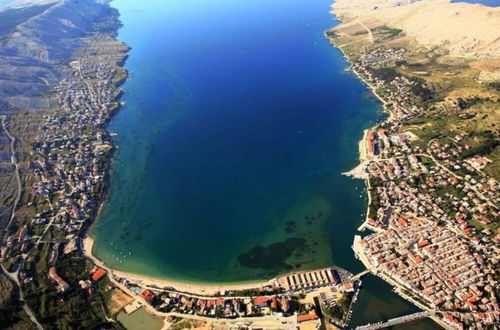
(395, 321)
(360, 275)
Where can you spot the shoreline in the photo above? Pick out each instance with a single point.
(87, 241)
(202, 289)
(358, 172)
(359, 76)
(397, 288)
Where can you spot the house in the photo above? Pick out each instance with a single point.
(98, 274)
(348, 287)
(307, 317)
(63, 286)
(147, 295)
(260, 302)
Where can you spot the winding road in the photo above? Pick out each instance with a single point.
(15, 275)
(13, 160)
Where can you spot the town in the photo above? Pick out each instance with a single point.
(432, 208)
(68, 167)
(288, 298)
(432, 214)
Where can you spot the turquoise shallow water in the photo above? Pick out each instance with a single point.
(239, 120)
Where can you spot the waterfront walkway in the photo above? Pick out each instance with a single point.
(395, 321)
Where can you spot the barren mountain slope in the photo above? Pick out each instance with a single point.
(32, 51)
(466, 30)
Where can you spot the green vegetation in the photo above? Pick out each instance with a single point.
(480, 141)
(12, 315)
(331, 34)
(384, 32)
(360, 32)
(375, 201)
(339, 309)
(386, 74)
(449, 189)
(185, 324)
(62, 310)
(420, 89)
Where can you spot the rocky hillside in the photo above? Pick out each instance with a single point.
(38, 43)
(464, 29)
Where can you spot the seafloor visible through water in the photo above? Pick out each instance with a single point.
(239, 119)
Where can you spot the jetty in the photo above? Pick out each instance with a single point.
(395, 321)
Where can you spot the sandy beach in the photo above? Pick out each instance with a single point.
(359, 172)
(202, 289)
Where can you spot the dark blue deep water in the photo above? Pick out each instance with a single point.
(239, 119)
(491, 3)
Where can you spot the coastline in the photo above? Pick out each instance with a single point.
(202, 289)
(204, 286)
(359, 173)
(350, 68)
(398, 288)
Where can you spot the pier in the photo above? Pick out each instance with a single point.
(395, 321)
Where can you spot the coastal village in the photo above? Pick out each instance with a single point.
(287, 299)
(432, 214)
(432, 208)
(68, 167)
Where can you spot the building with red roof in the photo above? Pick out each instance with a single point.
(260, 301)
(307, 317)
(148, 295)
(60, 282)
(98, 274)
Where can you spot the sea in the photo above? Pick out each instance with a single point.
(489, 3)
(238, 120)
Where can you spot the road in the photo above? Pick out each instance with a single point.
(290, 321)
(468, 185)
(13, 160)
(15, 276)
(370, 34)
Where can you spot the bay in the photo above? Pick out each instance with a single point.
(239, 119)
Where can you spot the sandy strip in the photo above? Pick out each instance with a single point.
(204, 289)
